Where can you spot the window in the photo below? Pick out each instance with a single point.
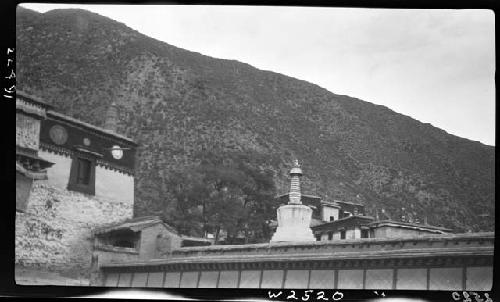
(124, 243)
(82, 175)
(318, 237)
(83, 171)
(332, 218)
(342, 234)
(330, 235)
(120, 239)
(364, 234)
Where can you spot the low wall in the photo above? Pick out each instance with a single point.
(456, 262)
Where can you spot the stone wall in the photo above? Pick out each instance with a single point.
(55, 232)
(27, 131)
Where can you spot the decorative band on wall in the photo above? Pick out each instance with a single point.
(114, 167)
(69, 153)
(97, 131)
(56, 149)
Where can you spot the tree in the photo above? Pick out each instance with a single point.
(229, 192)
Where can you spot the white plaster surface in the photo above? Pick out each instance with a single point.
(58, 174)
(293, 223)
(114, 185)
(329, 211)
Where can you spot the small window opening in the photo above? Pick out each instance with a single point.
(84, 170)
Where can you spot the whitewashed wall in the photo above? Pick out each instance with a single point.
(114, 185)
(329, 211)
(58, 174)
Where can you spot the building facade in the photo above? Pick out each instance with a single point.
(84, 178)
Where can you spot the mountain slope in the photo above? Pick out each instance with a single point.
(176, 103)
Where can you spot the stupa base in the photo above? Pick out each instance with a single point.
(293, 234)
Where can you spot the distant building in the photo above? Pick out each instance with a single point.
(71, 176)
(336, 220)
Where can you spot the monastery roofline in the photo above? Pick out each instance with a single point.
(408, 224)
(331, 204)
(134, 224)
(190, 238)
(363, 217)
(423, 238)
(357, 255)
(349, 202)
(74, 121)
(33, 99)
(281, 253)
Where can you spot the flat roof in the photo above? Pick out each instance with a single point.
(32, 98)
(349, 202)
(134, 224)
(344, 219)
(408, 224)
(330, 203)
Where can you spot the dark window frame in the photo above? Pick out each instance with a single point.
(318, 237)
(74, 184)
(342, 234)
(330, 235)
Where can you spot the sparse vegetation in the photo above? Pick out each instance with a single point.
(177, 104)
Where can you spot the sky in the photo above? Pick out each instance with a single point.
(437, 66)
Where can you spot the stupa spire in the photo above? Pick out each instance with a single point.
(111, 119)
(295, 195)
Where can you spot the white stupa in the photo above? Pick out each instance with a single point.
(294, 218)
